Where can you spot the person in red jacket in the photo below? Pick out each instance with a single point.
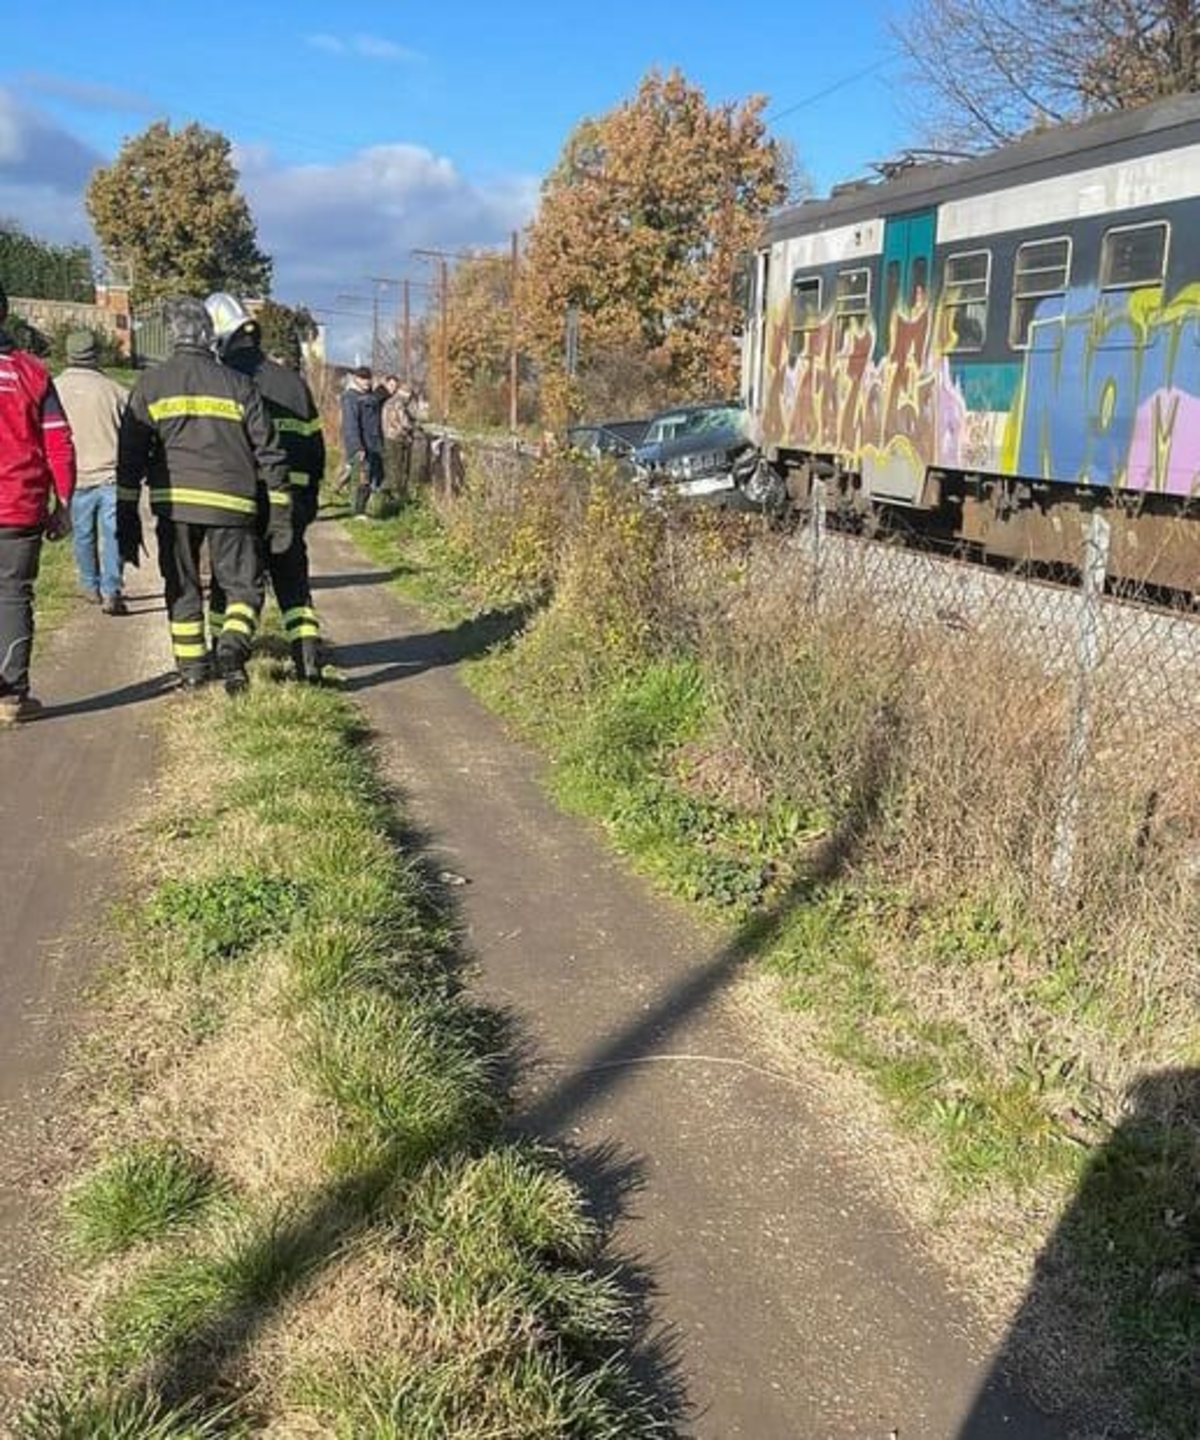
(37, 480)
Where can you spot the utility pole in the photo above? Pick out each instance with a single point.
(375, 330)
(722, 317)
(443, 258)
(444, 278)
(514, 359)
(407, 334)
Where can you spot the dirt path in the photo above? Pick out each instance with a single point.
(65, 787)
(796, 1304)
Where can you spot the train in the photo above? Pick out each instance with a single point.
(989, 349)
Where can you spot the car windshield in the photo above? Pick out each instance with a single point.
(677, 423)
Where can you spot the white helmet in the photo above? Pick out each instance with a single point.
(229, 316)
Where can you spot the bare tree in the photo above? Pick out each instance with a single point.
(986, 71)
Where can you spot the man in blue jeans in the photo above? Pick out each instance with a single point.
(94, 405)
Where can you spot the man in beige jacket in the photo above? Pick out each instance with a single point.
(94, 404)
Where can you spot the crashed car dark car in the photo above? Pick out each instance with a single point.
(608, 439)
(700, 451)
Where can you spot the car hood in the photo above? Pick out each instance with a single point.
(731, 438)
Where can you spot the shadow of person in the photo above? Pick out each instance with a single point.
(378, 662)
(1108, 1335)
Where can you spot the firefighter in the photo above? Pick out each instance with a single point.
(200, 434)
(290, 404)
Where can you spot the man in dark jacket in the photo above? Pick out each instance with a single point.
(201, 435)
(362, 437)
(290, 405)
(37, 461)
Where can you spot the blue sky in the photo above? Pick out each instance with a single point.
(362, 131)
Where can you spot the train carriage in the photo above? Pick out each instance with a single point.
(993, 347)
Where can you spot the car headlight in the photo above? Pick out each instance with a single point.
(680, 468)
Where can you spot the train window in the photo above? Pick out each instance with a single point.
(918, 283)
(965, 288)
(806, 312)
(1041, 271)
(1134, 255)
(852, 302)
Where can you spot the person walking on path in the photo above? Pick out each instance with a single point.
(200, 433)
(37, 462)
(362, 438)
(290, 405)
(94, 405)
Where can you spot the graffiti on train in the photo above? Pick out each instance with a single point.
(1108, 393)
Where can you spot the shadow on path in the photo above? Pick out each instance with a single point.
(136, 694)
(363, 577)
(1110, 1328)
(406, 655)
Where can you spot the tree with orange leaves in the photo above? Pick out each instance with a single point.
(638, 231)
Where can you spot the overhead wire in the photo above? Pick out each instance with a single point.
(846, 80)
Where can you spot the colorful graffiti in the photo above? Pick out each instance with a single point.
(1108, 393)
(888, 418)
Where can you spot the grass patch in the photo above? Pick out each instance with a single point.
(424, 564)
(140, 1194)
(122, 1416)
(223, 917)
(297, 1022)
(56, 591)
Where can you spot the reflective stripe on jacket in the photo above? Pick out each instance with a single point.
(291, 406)
(200, 434)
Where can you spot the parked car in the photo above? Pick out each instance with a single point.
(700, 451)
(613, 439)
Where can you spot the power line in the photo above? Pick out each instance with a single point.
(837, 85)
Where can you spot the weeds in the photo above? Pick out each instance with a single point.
(140, 1194)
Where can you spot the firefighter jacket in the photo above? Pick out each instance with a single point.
(36, 453)
(290, 405)
(200, 433)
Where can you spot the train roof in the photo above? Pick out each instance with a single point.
(1101, 140)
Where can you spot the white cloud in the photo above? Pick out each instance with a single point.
(43, 172)
(329, 227)
(365, 47)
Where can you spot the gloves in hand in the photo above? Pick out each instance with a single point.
(129, 535)
(58, 524)
(279, 525)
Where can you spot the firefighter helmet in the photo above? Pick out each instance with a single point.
(230, 318)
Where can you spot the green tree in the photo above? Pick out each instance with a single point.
(42, 271)
(284, 329)
(169, 210)
(638, 230)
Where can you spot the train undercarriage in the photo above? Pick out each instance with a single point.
(1155, 540)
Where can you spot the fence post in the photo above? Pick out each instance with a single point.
(1089, 645)
(816, 540)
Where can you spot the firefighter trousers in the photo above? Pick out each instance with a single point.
(235, 557)
(293, 591)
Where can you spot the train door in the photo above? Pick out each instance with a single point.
(756, 339)
(906, 271)
(894, 470)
